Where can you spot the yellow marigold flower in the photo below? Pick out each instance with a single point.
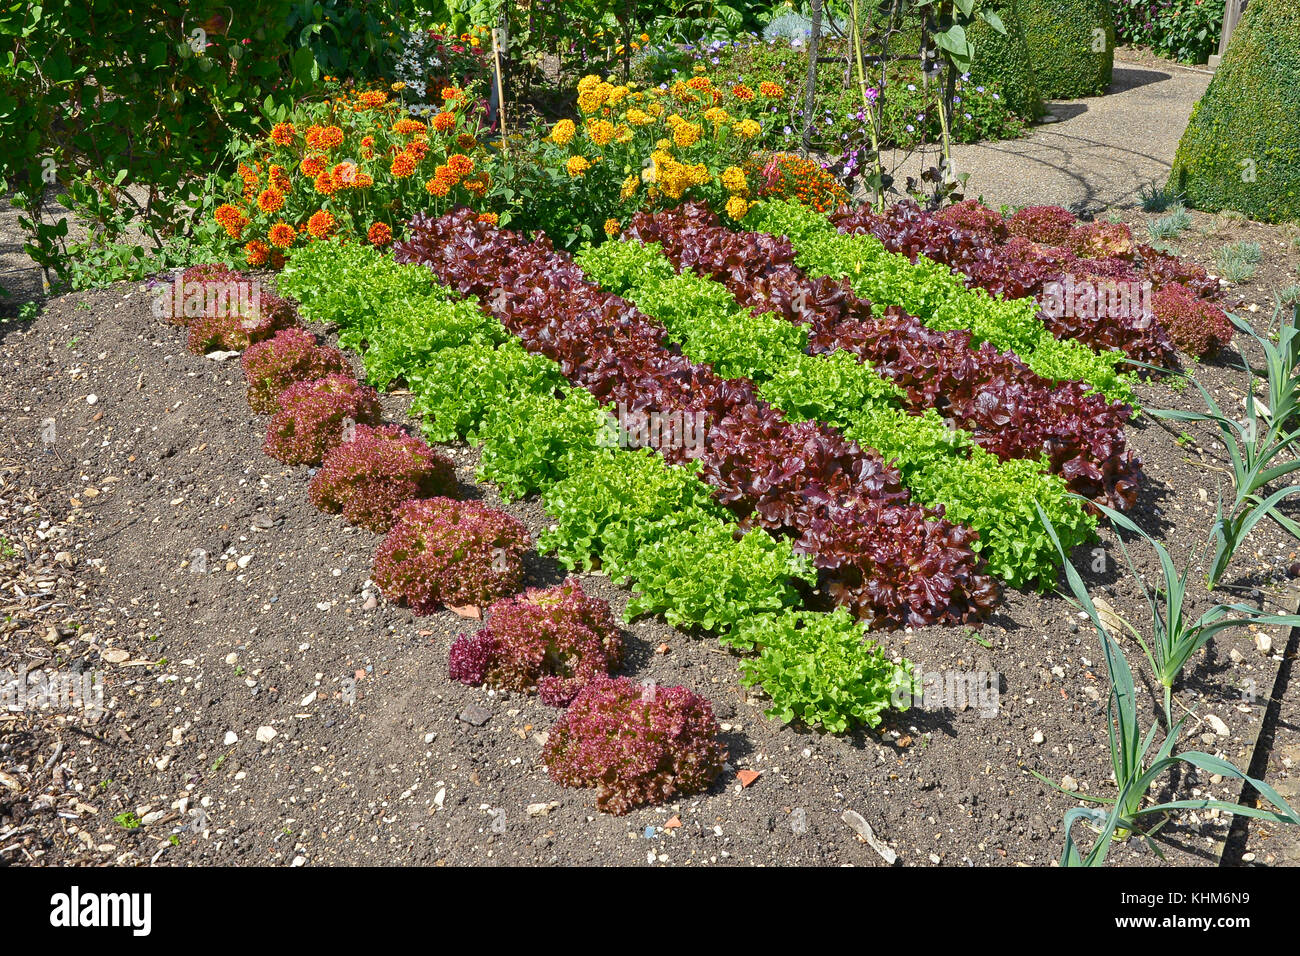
(577, 166)
(612, 227)
(629, 187)
(590, 102)
(645, 38)
(717, 116)
(601, 132)
(562, 132)
(686, 134)
(733, 180)
(655, 109)
(747, 128)
(737, 206)
(588, 83)
(639, 117)
(616, 94)
(398, 86)
(623, 134)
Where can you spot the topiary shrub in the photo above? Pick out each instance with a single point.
(1241, 149)
(1071, 45)
(370, 476)
(240, 320)
(290, 356)
(453, 553)
(1195, 326)
(557, 640)
(1003, 58)
(314, 416)
(637, 744)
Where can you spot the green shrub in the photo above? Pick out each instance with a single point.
(1071, 45)
(1241, 149)
(1003, 58)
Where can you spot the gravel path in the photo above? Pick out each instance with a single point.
(1097, 153)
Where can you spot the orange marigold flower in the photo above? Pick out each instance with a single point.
(612, 227)
(773, 91)
(271, 200)
(577, 166)
(344, 174)
(437, 186)
(371, 99)
(280, 179)
(324, 137)
(444, 122)
(256, 252)
(312, 165)
(450, 93)
(325, 184)
(231, 219)
(699, 83)
(282, 134)
(321, 224)
(402, 166)
(460, 164)
(364, 181)
(466, 141)
(379, 234)
(490, 218)
(742, 92)
(417, 149)
(478, 185)
(408, 127)
(282, 235)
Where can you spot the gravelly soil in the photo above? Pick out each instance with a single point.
(371, 761)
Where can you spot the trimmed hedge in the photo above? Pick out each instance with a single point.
(1004, 59)
(1241, 148)
(1061, 36)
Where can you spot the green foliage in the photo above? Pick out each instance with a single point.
(819, 668)
(1003, 58)
(456, 392)
(938, 297)
(614, 505)
(703, 577)
(1240, 149)
(1158, 198)
(1071, 45)
(126, 109)
(1171, 226)
(532, 441)
(410, 333)
(1261, 447)
(1237, 261)
(349, 285)
(1183, 30)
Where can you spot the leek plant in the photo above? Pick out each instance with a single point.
(1261, 448)
(1135, 767)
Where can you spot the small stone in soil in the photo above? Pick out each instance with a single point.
(475, 714)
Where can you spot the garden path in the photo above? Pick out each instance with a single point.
(1097, 153)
